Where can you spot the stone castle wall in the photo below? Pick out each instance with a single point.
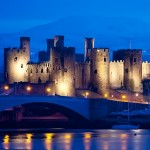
(116, 74)
(39, 72)
(82, 75)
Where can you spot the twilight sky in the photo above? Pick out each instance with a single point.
(16, 15)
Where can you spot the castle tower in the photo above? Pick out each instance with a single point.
(88, 46)
(100, 70)
(69, 71)
(16, 62)
(132, 68)
(57, 63)
(50, 44)
(59, 41)
(25, 44)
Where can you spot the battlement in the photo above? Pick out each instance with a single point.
(25, 39)
(145, 62)
(130, 51)
(117, 61)
(13, 50)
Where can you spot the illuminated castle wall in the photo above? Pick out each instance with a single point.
(116, 74)
(57, 65)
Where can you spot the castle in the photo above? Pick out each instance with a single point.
(58, 66)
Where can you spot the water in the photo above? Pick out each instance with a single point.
(76, 140)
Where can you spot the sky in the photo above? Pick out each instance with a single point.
(16, 15)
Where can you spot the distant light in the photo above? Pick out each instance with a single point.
(137, 94)
(86, 94)
(67, 136)
(112, 95)
(48, 90)
(28, 138)
(6, 139)
(87, 136)
(6, 87)
(123, 96)
(28, 88)
(49, 136)
(106, 95)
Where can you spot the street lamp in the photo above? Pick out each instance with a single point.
(105, 95)
(86, 94)
(123, 97)
(28, 88)
(48, 90)
(6, 87)
(136, 94)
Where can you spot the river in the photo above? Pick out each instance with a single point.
(71, 139)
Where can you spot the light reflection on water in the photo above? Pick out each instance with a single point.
(78, 139)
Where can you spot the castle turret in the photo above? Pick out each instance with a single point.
(88, 46)
(100, 70)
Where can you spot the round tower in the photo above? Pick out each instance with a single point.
(88, 46)
(133, 70)
(100, 71)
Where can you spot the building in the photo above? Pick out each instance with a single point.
(60, 67)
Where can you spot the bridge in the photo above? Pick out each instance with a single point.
(90, 109)
(82, 106)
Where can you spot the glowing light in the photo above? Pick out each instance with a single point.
(112, 95)
(136, 94)
(6, 87)
(49, 136)
(67, 136)
(28, 88)
(6, 139)
(123, 96)
(87, 136)
(106, 95)
(62, 86)
(48, 90)
(48, 141)
(29, 138)
(86, 94)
